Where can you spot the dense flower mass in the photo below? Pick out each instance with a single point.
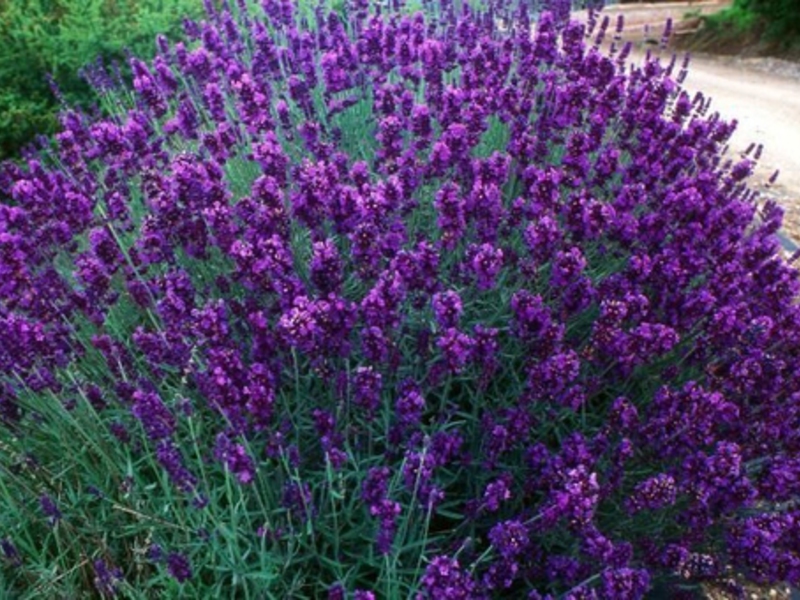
(377, 300)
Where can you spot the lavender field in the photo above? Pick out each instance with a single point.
(381, 300)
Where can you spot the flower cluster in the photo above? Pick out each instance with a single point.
(494, 302)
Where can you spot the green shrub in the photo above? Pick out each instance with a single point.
(736, 19)
(783, 15)
(780, 18)
(58, 37)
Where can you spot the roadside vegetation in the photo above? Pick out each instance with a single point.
(760, 27)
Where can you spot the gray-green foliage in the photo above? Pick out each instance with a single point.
(59, 37)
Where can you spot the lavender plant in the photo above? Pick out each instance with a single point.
(367, 302)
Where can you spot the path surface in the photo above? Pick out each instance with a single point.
(763, 95)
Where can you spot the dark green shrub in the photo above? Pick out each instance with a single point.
(736, 19)
(59, 37)
(783, 15)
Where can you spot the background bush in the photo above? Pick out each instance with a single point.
(783, 15)
(774, 20)
(59, 37)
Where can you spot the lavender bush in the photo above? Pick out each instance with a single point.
(383, 303)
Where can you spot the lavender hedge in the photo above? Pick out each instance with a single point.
(382, 303)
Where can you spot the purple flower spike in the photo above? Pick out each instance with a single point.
(625, 583)
(336, 592)
(486, 264)
(179, 567)
(10, 552)
(235, 458)
(444, 578)
(106, 579)
(410, 403)
(654, 493)
(50, 509)
(447, 308)
(156, 418)
(509, 538)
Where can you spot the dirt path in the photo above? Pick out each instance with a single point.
(763, 95)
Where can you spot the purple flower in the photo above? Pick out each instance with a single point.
(456, 349)
(106, 580)
(671, 432)
(179, 567)
(50, 509)
(375, 487)
(336, 592)
(496, 494)
(521, 276)
(447, 308)
(624, 583)
(10, 552)
(718, 478)
(380, 307)
(567, 266)
(532, 321)
(297, 499)
(577, 497)
(235, 458)
(119, 431)
(386, 513)
(375, 345)
(509, 538)
(155, 553)
(300, 326)
(421, 126)
(486, 264)
(171, 459)
(444, 578)
(367, 388)
(542, 238)
(326, 267)
(155, 417)
(653, 493)
(410, 403)
(451, 210)
(391, 142)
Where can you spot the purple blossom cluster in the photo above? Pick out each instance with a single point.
(503, 288)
